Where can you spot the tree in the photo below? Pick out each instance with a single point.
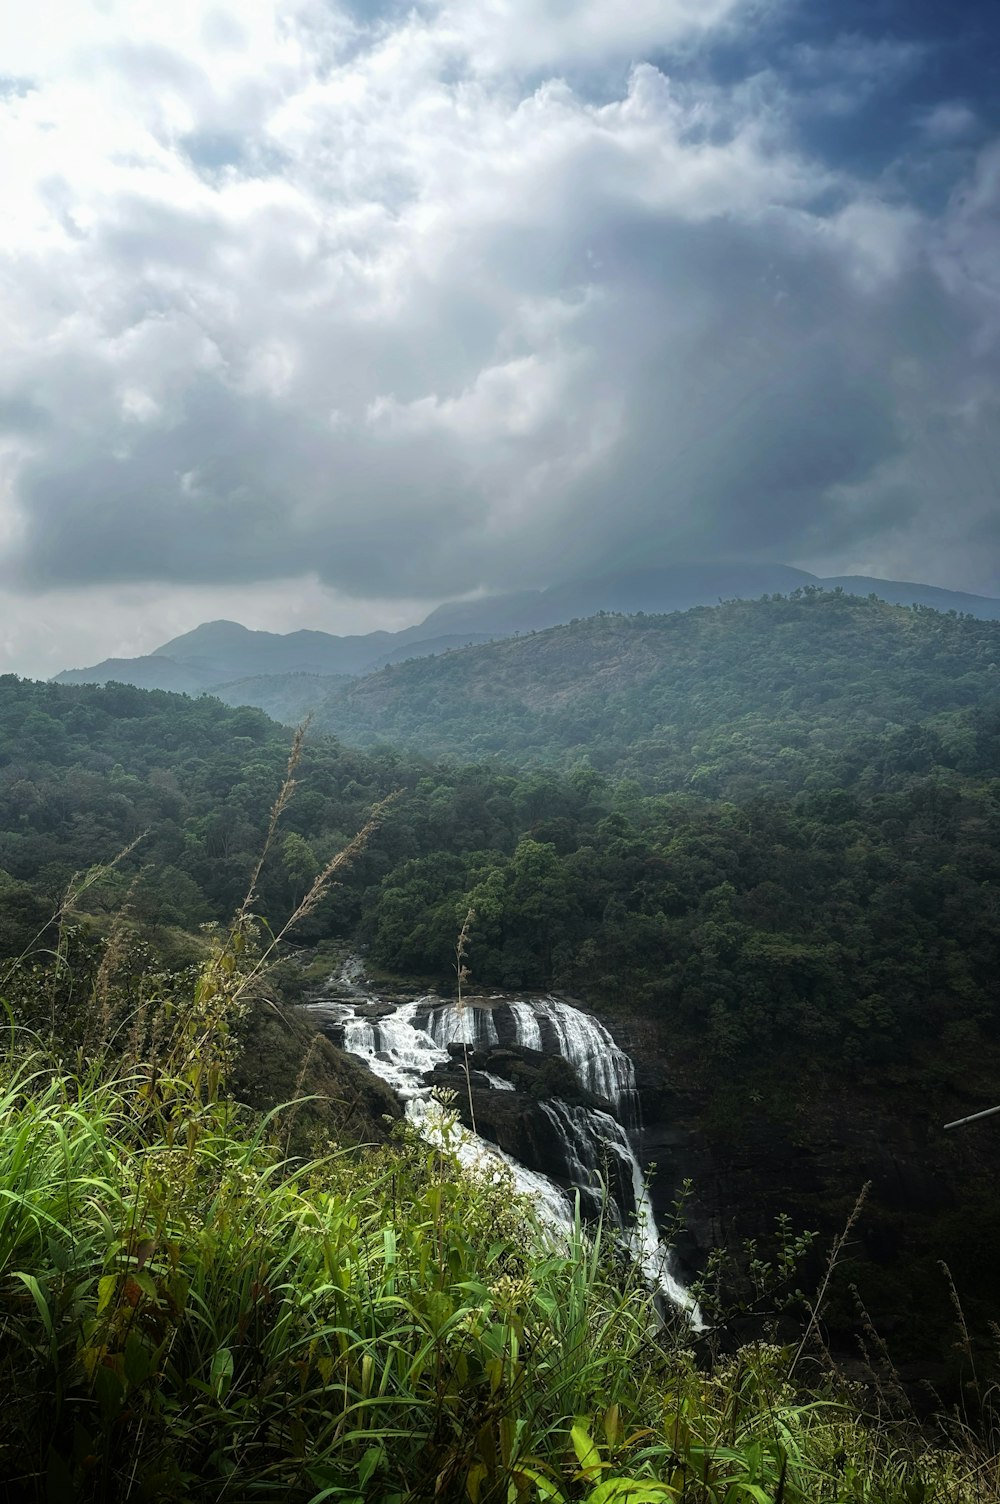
(300, 864)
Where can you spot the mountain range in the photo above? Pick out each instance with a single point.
(289, 674)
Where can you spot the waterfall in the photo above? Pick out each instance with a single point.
(599, 1064)
(498, 1083)
(471, 1024)
(403, 1047)
(527, 1029)
(598, 1155)
(404, 1042)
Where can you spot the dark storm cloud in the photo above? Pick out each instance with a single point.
(363, 304)
(230, 492)
(20, 416)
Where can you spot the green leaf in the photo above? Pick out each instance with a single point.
(630, 1491)
(369, 1462)
(222, 1373)
(146, 1283)
(587, 1454)
(611, 1424)
(742, 1489)
(38, 1296)
(106, 1287)
(109, 1387)
(547, 1490)
(138, 1359)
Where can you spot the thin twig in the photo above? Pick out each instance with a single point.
(277, 810)
(75, 888)
(835, 1252)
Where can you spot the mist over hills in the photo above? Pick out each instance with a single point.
(242, 666)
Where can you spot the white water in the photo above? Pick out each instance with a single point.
(552, 1204)
(599, 1150)
(449, 1024)
(404, 1046)
(527, 1029)
(399, 1051)
(498, 1083)
(600, 1066)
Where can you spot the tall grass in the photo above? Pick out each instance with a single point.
(185, 1315)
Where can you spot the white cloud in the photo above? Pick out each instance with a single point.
(948, 122)
(412, 305)
(535, 35)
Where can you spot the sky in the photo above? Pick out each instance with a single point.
(320, 312)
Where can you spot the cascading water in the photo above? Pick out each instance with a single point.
(405, 1043)
(600, 1066)
(400, 1051)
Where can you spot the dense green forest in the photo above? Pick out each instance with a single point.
(857, 916)
(782, 694)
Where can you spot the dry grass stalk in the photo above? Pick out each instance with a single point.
(278, 808)
(231, 988)
(463, 973)
(299, 1089)
(114, 953)
(324, 880)
(78, 884)
(835, 1252)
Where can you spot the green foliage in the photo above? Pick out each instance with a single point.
(856, 941)
(187, 1316)
(771, 694)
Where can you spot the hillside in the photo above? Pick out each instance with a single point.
(725, 700)
(188, 1316)
(287, 698)
(148, 672)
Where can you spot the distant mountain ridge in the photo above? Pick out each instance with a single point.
(243, 666)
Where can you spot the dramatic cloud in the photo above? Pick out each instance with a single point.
(414, 301)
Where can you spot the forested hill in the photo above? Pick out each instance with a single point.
(721, 700)
(821, 968)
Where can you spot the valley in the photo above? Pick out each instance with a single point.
(500, 752)
(727, 883)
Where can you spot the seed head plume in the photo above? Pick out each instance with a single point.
(324, 879)
(463, 973)
(278, 808)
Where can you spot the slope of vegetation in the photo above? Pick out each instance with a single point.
(726, 701)
(85, 771)
(288, 698)
(855, 923)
